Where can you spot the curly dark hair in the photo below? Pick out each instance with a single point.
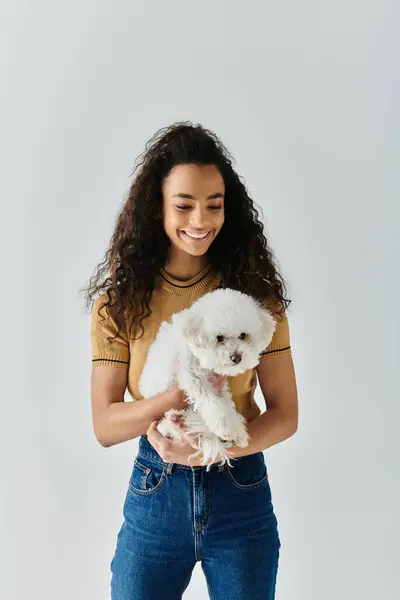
(139, 244)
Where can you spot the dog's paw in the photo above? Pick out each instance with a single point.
(237, 435)
(214, 449)
(242, 440)
(221, 427)
(238, 432)
(168, 430)
(238, 438)
(178, 420)
(179, 413)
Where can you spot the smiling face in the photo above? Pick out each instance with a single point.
(193, 207)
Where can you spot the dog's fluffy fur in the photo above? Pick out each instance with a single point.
(224, 331)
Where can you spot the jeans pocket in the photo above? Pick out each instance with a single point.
(248, 472)
(147, 476)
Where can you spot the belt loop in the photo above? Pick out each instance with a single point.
(168, 468)
(221, 467)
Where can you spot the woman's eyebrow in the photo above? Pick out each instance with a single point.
(190, 197)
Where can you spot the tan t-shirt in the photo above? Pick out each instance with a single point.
(169, 296)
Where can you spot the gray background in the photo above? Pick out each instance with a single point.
(305, 95)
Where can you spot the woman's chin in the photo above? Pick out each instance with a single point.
(194, 251)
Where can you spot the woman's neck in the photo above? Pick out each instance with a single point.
(182, 266)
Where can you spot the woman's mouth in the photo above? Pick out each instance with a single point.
(196, 237)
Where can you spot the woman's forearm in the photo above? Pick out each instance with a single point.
(122, 421)
(266, 430)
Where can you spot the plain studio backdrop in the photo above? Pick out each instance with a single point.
(305, 95)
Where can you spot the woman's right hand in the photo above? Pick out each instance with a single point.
(176, 398)
(217, 381)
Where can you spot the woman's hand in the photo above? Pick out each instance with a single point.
(172, 451)
(176, 398)
(217, 381)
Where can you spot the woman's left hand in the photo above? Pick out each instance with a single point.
(173, 451)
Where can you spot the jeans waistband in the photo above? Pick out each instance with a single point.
(146, 449)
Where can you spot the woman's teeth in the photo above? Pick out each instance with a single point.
(196, 236)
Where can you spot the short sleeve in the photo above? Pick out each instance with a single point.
(114, 352)
(280, 343)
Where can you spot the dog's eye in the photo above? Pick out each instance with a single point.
(220, 338)
(242, 336)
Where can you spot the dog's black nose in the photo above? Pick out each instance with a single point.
(236, 358)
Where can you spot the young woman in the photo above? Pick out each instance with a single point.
(188, 226)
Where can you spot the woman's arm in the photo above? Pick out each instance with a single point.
(116, 421)
(278, 384)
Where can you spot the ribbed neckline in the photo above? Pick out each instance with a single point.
(180, 288)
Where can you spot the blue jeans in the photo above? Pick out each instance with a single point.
(176, 515)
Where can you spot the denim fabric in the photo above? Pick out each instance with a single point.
(175, 515)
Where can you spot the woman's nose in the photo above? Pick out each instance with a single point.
(198, 217)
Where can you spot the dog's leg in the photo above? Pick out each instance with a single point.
(217, 411)
(239, 434)
(237, 423)
(192, 422)
(203, 399)
(238, 429)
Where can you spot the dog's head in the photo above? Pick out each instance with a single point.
(226, 330)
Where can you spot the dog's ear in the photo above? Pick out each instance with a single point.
(268, 326)
(190, 327)
(192, 331)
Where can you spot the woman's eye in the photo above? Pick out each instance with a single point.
(220, 338)
(242, 336)
(188, 206)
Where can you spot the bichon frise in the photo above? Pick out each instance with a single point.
(224, 331)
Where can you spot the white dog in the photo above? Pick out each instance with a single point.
(224, 331)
